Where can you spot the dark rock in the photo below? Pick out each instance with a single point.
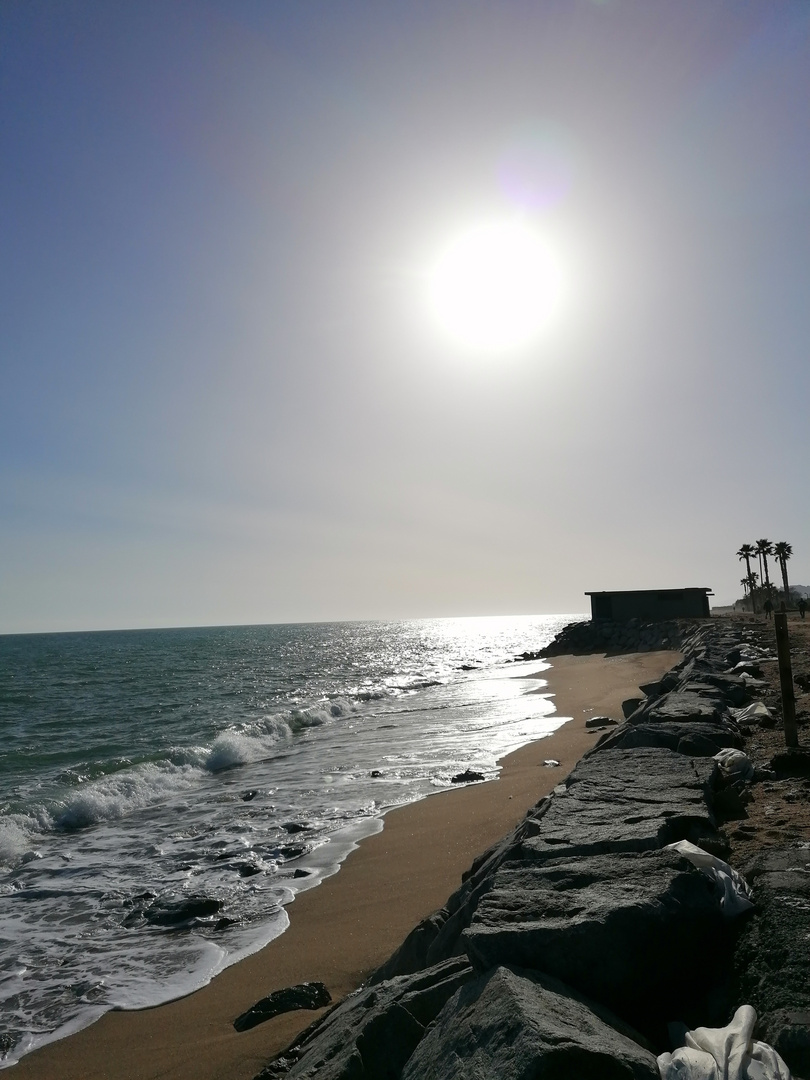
(248, 869)
(277, 1069)
(224, 923)
(651, 689)
(7, 1042)
(466, 777)
(600, 721)
(792, 761)
(372, 1033)
(299, 873)
(512, 1025)
(311, 995)
(249, 795)
(703, 740)
(180, 913)
(629, 930)
(626, 800)
(630, 705)
(375, 774)
(296, 826)
(680, 707)
(729, 805)
(772, 961)
(731, 688)
(293, 851)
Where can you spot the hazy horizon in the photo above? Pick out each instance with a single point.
(226, 398)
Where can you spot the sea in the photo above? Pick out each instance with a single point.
(164, 794)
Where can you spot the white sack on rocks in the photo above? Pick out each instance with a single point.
(728, 1053)
(735, 895)
(735, 764)
(752, 713)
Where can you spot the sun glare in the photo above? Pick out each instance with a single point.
(494, 287)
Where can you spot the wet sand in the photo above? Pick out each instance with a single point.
(346, 927)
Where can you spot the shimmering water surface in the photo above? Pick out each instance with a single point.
(164, 793)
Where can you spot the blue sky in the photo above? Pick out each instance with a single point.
(222, 398)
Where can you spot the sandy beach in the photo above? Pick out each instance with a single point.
(342, 930)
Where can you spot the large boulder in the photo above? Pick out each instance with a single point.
(680, 707)
(643, 934)
(371, 1034)
(730, 688)
(511, 1025)
(694, 740)
(772, 958)
(627, 800)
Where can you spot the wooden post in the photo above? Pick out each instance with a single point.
(786, 678)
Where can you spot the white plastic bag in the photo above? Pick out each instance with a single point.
(735, 895)
(728, 1053)
(735, 764)
(754, 712)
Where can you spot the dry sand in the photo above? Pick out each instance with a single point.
(343, 929)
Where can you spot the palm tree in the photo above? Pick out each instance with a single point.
(764, 549)
(744, 583)
(746, 553)
(782, 550)
(752, 590)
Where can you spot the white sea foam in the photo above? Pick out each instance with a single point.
(246, 743)
(121, 793)
(15, 840)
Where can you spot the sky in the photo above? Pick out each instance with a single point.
(224, 395)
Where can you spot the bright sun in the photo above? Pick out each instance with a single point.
(494, 287)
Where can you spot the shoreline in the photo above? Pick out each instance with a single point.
(345, 928)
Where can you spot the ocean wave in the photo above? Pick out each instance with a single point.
(246, 743)
(418, 683)
(119, 794)
(15, 840)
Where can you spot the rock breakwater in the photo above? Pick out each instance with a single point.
(603, 635)
(572, 944)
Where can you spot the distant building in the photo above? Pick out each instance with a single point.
(651, 605)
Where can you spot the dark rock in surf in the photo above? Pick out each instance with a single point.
(179, 914)
(293, 851)
(311, 995)
(467, 777)
(512, 1024)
